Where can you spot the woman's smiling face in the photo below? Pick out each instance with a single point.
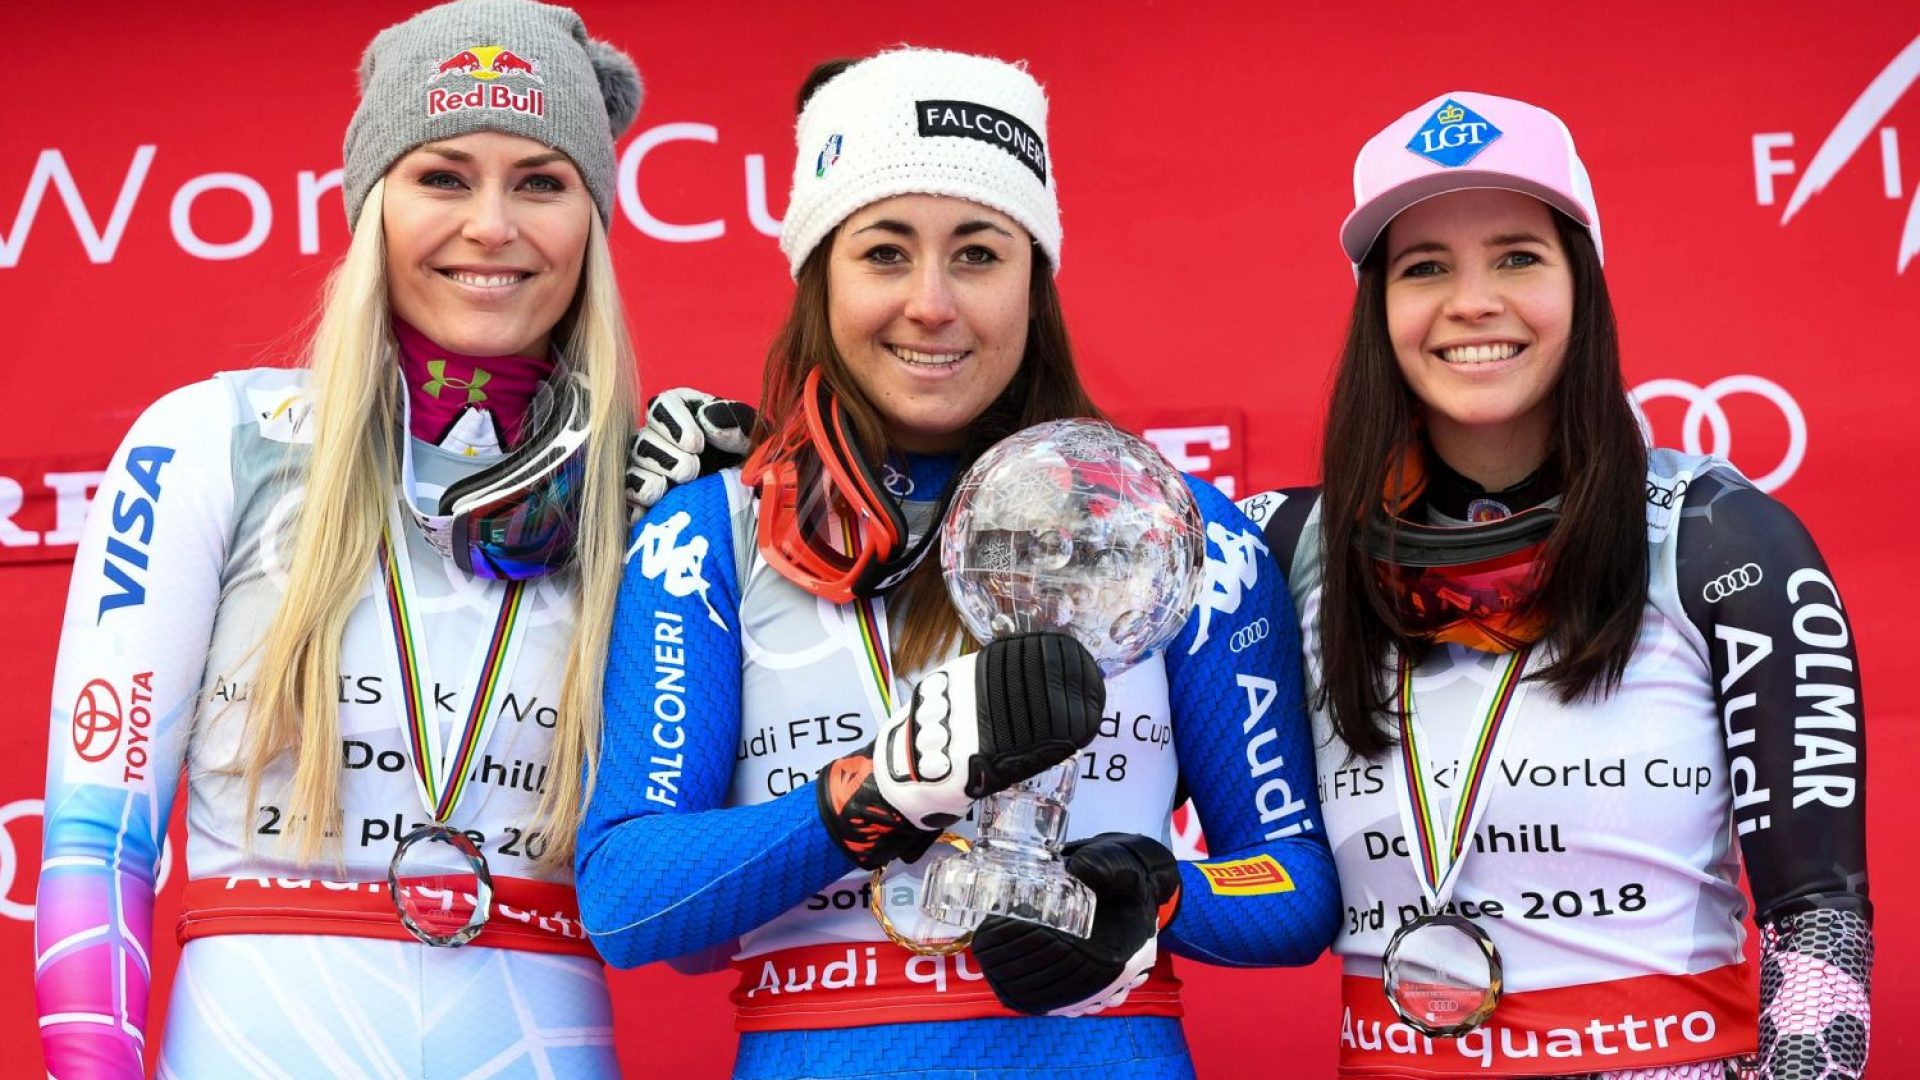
(1479, 309)
(486, 235)
(927, 298)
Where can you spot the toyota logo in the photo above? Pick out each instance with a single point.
(96, 720)
(1736, 580)
(1704, 408)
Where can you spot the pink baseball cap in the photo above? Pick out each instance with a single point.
(1465, 140)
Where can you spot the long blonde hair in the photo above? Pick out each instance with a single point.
(354, 391)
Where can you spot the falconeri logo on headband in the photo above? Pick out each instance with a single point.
(987, 124)
(1453, 135)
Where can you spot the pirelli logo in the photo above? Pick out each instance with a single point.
(1257, 876)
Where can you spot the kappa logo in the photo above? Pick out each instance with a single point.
(1842, 144)
(1226, 579)
(675, 565)
(1453, 135)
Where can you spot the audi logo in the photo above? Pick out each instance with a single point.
(1257, 630)
(10, 862)
(10, 858)
(96, 720)
(1259, 508)
(1738, 579)
(1665, 497)
(1704, 410)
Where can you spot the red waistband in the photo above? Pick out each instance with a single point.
(855, 984)
(535, 916)
(1637, 1023)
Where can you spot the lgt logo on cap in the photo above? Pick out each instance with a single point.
(1453, 135)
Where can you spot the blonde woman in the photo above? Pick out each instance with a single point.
(345, 598)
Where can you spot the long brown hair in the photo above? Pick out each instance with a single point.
(1595, 585)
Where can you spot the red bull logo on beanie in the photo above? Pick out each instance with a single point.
(1453, 135)
(485, 64)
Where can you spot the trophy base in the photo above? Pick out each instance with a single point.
(964, 891)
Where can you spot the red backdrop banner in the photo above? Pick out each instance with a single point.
(169, 206)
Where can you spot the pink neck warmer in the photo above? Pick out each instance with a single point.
(441, 385)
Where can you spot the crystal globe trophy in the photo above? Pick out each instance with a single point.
(1077, 527)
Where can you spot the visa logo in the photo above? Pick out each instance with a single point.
(133, 520)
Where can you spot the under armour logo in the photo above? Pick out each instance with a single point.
(475, 395)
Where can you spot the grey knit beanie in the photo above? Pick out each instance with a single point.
(516, 66)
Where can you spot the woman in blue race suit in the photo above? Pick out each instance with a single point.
(757, 642)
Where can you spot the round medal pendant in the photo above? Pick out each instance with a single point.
(894, 895)
(440, 885)
(1442, 975)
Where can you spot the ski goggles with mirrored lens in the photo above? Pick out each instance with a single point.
(518, 518)
(1473, 585)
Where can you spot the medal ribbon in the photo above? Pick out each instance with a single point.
(871, 616)
(1439, 851)
(869, 635)
(441, 765)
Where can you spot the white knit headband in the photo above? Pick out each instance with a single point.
(922, 121)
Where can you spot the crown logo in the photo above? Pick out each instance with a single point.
(1450, 114)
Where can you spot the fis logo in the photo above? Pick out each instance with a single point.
(1842, 144)
(1453, 135)
(829, 156)
(486, 63)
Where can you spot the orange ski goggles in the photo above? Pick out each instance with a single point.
(827, 521)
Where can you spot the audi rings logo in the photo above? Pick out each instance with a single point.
(1257, 630)
(10, 908)
(1738, 579)
(96, 720)
(11, 862)
(1706, 416)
